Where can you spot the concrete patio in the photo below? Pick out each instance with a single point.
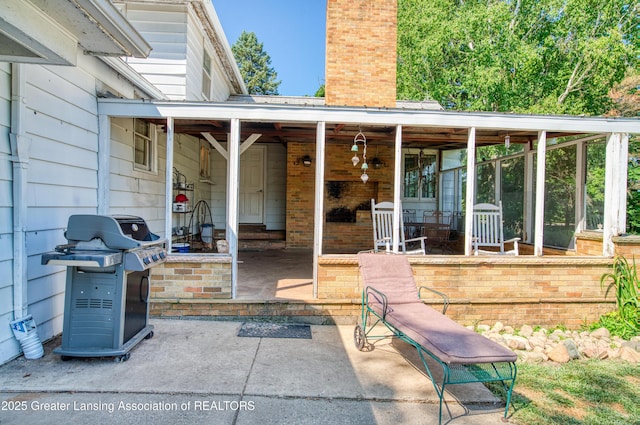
(201, 372)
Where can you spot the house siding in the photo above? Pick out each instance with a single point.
(60, 123)
(131, 191)
(165, 28)
(178, 40)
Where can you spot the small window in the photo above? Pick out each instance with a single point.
(205, 163)
(144, 146)
(206, 75)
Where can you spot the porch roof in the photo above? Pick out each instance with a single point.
(295, 119)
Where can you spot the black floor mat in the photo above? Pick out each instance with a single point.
(274, 330)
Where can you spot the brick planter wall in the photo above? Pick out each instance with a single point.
(189, 277)
(545, 291)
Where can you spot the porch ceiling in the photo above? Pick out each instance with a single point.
(284, 132)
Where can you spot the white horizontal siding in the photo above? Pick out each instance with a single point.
(60, 123)
(218, 192)
(165, 29)
(195, 56)
(131, 191)
(219, 88)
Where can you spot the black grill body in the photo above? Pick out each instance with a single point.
(108, 259)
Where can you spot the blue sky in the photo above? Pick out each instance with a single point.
(292, 33)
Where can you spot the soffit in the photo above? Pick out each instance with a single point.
(48, 31)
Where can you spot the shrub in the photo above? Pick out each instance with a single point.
(625, 322)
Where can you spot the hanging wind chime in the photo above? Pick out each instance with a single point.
(360, 138)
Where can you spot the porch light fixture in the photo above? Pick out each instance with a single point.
(507, 141)
(377, 163)
(304, 160)
(360, 138)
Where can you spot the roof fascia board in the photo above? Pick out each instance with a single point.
(116, 26)
(211, 24)
(36, 32)
(96, 25)
(343, 115)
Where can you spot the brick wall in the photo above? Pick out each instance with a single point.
(192, 277)
(338, 237)
(515, 290)
(590, 243)
(300, 195)
(361, 53)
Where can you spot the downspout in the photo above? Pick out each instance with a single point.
(20, 158)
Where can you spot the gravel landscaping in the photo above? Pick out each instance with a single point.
(537, 345)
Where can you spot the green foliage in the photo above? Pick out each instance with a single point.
(633, 195)
(623, 279)
(319, 92)
(255, 65)
(549, 56)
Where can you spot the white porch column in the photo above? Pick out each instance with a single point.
(581, 170)
(104, 160)
(471, 189)
(233, 191)
(528, 193)
(397, 170)
(540, 188)
(168, 187)
(615, 190)
(318, 218)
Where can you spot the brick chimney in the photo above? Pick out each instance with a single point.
(361, 53)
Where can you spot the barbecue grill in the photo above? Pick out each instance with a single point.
(108, 258)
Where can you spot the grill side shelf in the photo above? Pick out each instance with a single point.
(82, 258)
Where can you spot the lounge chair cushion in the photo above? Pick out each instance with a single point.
(449, 341)
(391, 274)
(446, 339)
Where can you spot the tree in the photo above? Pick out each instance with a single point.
(255, 65)
(547, 56)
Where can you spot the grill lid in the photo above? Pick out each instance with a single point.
(117, 231)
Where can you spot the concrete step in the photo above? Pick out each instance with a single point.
(255, 237)
(261, 244)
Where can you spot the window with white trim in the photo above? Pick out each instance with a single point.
(206, 75)
(144, 158)
(419, 170)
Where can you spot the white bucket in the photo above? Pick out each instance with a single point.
(26, 332)
(207, 233)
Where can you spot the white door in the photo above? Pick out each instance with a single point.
(251, 200)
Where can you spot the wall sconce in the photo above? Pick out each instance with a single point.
(305, 160)
(377, 163)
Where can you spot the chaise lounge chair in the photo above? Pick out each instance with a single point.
(390, 297)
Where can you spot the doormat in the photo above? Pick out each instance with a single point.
(274, 330)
